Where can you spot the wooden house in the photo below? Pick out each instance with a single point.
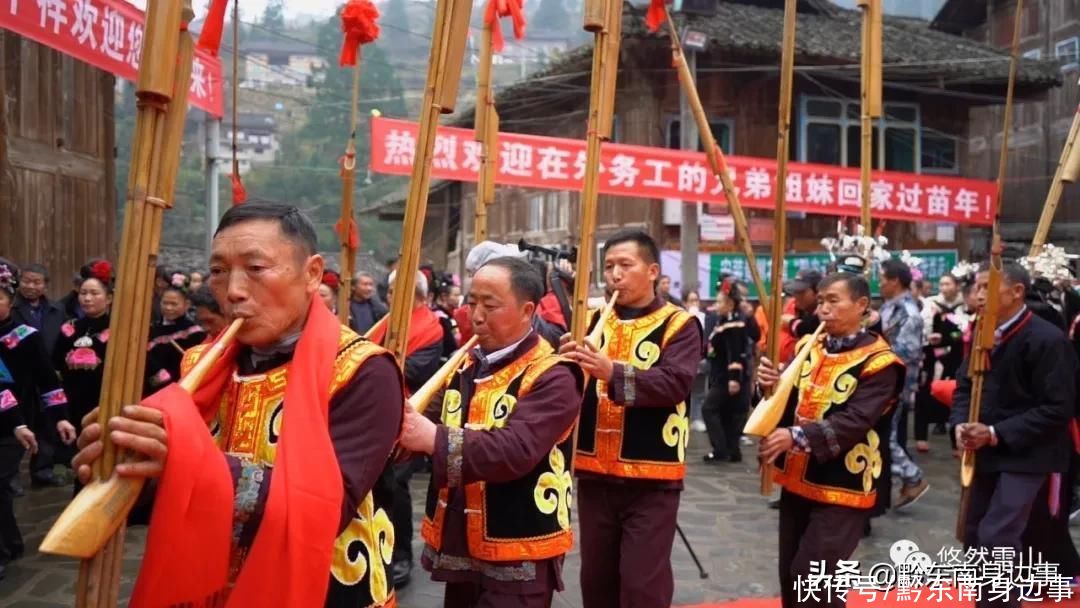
(57, 160)
(933, 81)
(1050, 31)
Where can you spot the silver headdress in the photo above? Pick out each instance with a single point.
(965, 271)
(1051, 263)
(869, 250)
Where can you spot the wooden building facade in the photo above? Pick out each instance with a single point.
(1050, 31)
(57, 160)
(933, 79)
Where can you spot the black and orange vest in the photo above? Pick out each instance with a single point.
(645, 442)
(525, 519)
(826, 383)
(248, 426)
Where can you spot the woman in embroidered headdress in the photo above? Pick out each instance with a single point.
(26, 379)
(79, 355)
(171, 335)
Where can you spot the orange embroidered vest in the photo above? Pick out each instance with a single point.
(248, 426)
(826, 383)
(521, 520)
(642, 443)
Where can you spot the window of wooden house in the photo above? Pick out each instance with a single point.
(535, 213)
(1068, 53)
(1033, 54)
(557, 211)
(830, 132)
(722, 130)
(939, 153)
(277, 59)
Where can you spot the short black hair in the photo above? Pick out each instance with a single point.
(37, 269)
(856, 284)
(950, 276)
(202, 298)
(293, 223)
(645, 244)
(525, 281)
(895, 269)
(1013, 274)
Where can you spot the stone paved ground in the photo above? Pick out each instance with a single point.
(722, 514)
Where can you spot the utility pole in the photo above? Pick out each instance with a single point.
(212, 127)
(689, 232)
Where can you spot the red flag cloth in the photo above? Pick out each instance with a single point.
(210, 36)
(358, 23)
(656, 15)
(464, 322)
(550, 311)
(239, 193)
(193, 513)
(353, 236)
(504, 8)
(943, 391)
(424, 330)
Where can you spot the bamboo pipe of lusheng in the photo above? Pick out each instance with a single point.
(766, 416)
(979, 361)
(715, 156)
(484, 115)
(450, 31)
(377, 326)
(601, 105)
(348, 182)
(871, 94)
(1068, 171)
(161, 92)
(597, 334)
(420, 400)
(602, 18)
(776, 300)
(100, 508)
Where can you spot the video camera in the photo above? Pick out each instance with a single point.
(552, 254)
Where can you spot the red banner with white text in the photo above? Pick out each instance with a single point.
(108, 35)
(636, 171)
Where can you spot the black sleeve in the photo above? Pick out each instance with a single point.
(753, 331)
(1053, 370)
(422, 365)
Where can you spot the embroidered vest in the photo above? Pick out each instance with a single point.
(826, 383)
(251, 411)
(646, 442)
(521, 520)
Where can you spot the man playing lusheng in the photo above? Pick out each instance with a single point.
(497, 520)
(829, 441)
(268, 481)
(631, 451)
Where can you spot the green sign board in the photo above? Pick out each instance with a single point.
(934, 264)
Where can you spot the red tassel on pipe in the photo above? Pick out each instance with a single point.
(239, 193)
(210, 36)
(656, 15)
(504, 8)
(353, 236)
(358, 23)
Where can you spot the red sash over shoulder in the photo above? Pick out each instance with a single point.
(424, 330)
(190, 534)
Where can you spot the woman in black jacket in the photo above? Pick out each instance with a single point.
(26, 379)
(79, 354)
(170, 336)
(730, 355)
